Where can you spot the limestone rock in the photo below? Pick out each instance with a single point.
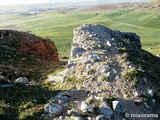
(118, 106)
(73, 112)
(61, 99)
(76, 52)
(76, 118)
(105, 110)
(54, 109)
(86, 107)
(100, 117)
(22, 81)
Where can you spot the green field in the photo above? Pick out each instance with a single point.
(59, 26)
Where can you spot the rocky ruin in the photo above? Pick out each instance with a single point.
(112, 78)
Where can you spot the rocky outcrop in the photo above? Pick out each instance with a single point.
(40, 47)
(23, 54)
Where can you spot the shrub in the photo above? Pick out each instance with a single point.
(132, 73)
(103, 78)
(134, 82)
(91, 71)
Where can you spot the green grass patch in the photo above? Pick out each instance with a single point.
(25, 103)
(59, 27)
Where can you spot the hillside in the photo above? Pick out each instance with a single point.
(21, 53)
(58, 25)
(25, 61)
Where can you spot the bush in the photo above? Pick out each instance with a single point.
(91, 71)
(132, 73)
(103, 78)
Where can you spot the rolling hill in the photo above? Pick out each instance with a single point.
(58, 25)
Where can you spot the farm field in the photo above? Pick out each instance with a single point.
(58, 26)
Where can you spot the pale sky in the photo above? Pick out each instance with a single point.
(8, 2)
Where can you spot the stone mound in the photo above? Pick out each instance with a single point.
(119, 77)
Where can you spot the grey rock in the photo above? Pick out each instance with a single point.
(89, 118)
(86, 107)
(75, 51)
(147, 106)
(77, 118)
(73, 112)
(53, 109)
(100, 117)
(71, 65)
(105, 69)
(63, 100)
(105, 110)
(150, 92)
(95, 58)
(118, 106)
(1, 77)
(117, 77)
(114, 71)
(22, 80)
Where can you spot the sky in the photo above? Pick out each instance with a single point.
(10, 2)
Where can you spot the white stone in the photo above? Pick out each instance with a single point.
(112, 39)
(22, 80)
(23, 59)
(150, 92)
(76, 118)
(136, 94)
(109, 44)
(117, 77)
(108, 74)
(86, 107)
(141, 70)
(118, 106)
(114, 71)
(100, 117)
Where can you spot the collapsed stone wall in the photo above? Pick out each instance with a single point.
(102, 79)
(100, 57)
(88, 35)
(94, 49)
